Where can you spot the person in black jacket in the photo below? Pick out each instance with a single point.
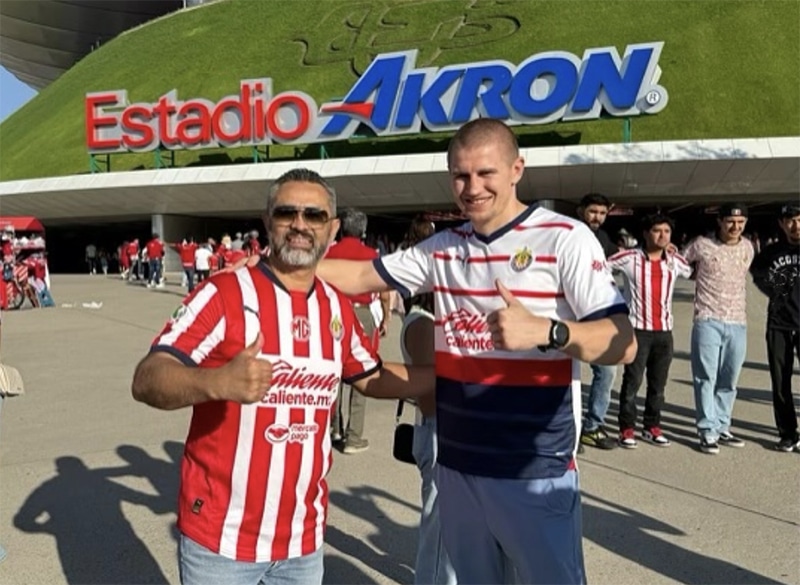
(593, 211)
(776, 272)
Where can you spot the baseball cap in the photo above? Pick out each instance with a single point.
(790, 210)
(733, 210)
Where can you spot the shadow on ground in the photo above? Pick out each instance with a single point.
(647, 542)
(82, 509)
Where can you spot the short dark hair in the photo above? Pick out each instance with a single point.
(353, 222)
(482, 131)
(301, 176)
(652, 219)
(594, 199)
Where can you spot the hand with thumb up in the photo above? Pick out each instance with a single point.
(515, 328)
(246, 378)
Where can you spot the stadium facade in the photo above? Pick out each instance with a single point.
(392, 97)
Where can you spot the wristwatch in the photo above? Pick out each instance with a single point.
(558, 337)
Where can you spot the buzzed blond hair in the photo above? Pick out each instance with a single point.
(481, 132)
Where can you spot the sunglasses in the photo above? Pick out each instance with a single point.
(312, 216)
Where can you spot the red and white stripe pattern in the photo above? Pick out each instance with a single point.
(253, 476)
(649, 286)
(551, 263)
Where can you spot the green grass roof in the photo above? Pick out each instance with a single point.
(732, 68)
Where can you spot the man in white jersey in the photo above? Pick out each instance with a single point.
(259, 353)
(521, 295)
(650, 273)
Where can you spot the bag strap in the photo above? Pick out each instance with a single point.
(399, 412)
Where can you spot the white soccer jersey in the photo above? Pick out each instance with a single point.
(253, 476)
(502, 413)
(649, 286)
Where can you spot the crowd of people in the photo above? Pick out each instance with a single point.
(276, 350)
(25, 276)
(495, 310)
(145, 263)
(498, 312)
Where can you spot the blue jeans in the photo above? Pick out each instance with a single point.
(189, 272)
(200, 566)
(155, 271)
(433, 565)
(599, 396)
(718, 352)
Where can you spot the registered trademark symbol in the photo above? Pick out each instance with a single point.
(652, 97)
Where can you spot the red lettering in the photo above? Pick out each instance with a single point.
(164, 111)
(143, 132)
(303, 117)
(197, 129)
(242, 107)
(94, 122)
(258, 119)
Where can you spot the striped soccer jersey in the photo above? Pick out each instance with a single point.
(649, 286)
(253, 476)
(501, 413)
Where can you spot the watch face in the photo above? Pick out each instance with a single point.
(560, 334)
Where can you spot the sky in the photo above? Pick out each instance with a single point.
(13, 94)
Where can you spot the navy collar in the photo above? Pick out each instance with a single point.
(500, 232)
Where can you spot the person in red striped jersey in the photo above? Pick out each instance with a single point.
(649, 273)
(521, 295)
(259, 353)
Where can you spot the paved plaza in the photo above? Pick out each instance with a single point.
(89, 477)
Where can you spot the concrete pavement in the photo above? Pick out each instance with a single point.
(88, 477)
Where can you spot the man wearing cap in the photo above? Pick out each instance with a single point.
(776, 273)
(719, 333)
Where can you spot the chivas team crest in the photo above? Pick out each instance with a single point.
(337, 329)
(521, 259)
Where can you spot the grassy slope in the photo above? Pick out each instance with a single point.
(731, 67)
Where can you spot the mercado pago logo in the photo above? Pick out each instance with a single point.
(392, 97)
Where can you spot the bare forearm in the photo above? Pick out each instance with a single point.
(399, 381)
(605, 341)
(352, 277)
(165, 383)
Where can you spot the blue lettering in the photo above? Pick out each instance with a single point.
(498, 77)
(560, 91)
(430, 101)
(601, 72)
(382, 78)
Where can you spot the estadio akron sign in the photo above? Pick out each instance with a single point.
(392, 97)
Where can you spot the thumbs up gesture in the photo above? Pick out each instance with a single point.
(246, 378)
(515, 328)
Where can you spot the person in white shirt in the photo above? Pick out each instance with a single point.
(202, 265)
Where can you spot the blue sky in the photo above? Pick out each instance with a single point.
(13, 94)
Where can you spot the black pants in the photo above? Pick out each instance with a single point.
(655, 356)
(782, 346)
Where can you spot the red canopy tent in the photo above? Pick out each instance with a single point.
(21, 223)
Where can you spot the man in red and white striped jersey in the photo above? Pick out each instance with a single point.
(259, 353)
(650, 273)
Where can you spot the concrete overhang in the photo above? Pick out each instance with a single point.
(647, 173)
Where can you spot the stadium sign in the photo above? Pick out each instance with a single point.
(392, 97)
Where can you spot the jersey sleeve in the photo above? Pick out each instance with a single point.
(410, 271)
(196, 327)
(586, 279)
(682, 267)
(359, 358)
(619, 262)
